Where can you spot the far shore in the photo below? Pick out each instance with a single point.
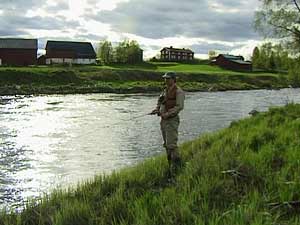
(125, 80)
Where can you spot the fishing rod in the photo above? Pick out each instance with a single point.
(130, 119)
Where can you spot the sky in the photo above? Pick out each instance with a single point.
(225, 26)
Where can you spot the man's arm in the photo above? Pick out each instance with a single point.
(159, 103)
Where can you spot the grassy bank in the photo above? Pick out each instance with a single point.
(246, 174)
(129, 79)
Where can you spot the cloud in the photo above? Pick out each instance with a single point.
(4, 32)
(14, 20)
(201, 25)
(20, 6)
(203, 48)
(172, 18)
(58, 6)
(38, 22)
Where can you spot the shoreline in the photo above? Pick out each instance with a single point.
(82, 80)
(69, 89)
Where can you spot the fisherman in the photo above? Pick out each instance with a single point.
(169, 104)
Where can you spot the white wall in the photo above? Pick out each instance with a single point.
(54, 61)
(84, 61)
(68, 60)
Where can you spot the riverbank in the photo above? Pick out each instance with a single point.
(244, 174)
(96, 79)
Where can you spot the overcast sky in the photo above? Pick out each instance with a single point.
(225, 26)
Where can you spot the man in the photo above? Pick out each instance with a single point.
(170, 103)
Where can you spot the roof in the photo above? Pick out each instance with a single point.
(177, 49)
(232, 57)
(241, 62)
(236, 59)
(18, 43)
(82, 49)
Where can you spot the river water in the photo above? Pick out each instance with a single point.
(59, 140)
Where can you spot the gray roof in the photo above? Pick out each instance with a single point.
(82, 49)
(232, 57)
(235, 59)
(18, 43)
(241, 62)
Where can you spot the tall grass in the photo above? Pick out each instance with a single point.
(245, 174)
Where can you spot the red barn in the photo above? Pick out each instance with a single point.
(18, 52)
(232, 62)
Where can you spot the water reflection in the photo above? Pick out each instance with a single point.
(50, 141)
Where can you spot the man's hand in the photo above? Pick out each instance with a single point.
(154, 112)
(164, 116)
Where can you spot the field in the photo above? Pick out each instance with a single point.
(186, 68)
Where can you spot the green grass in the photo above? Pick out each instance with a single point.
(184, 68)
(143, 77)
(233, 176)
(146, 66)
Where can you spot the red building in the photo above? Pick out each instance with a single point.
(232, 62)
(18, 52)
(176, 54)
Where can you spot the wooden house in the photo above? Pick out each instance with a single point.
(176, 54)
(66, 52)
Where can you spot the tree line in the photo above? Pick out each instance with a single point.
(125, 52)
(272, 57)
(279, 19)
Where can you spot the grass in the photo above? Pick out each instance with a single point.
(144, 77)
(245, 174)
(184, 68)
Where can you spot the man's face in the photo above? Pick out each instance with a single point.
(169, 82)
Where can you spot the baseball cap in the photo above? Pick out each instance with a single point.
(169, 75)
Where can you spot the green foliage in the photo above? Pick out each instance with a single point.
(271, 57)
(128, 52)
(105, 52)
(294, 73)
(280, 19)
(212, 54)
(256, 58)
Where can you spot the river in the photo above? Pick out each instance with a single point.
(59, 140)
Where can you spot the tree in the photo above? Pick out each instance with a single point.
(263, 58)
(105, 52)
(134, 52)
(270, 57)
(294, 73)
(120, 52)
(128, 52)
(272, 64)
(256, 58)
(212, 54)
(280, 19)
